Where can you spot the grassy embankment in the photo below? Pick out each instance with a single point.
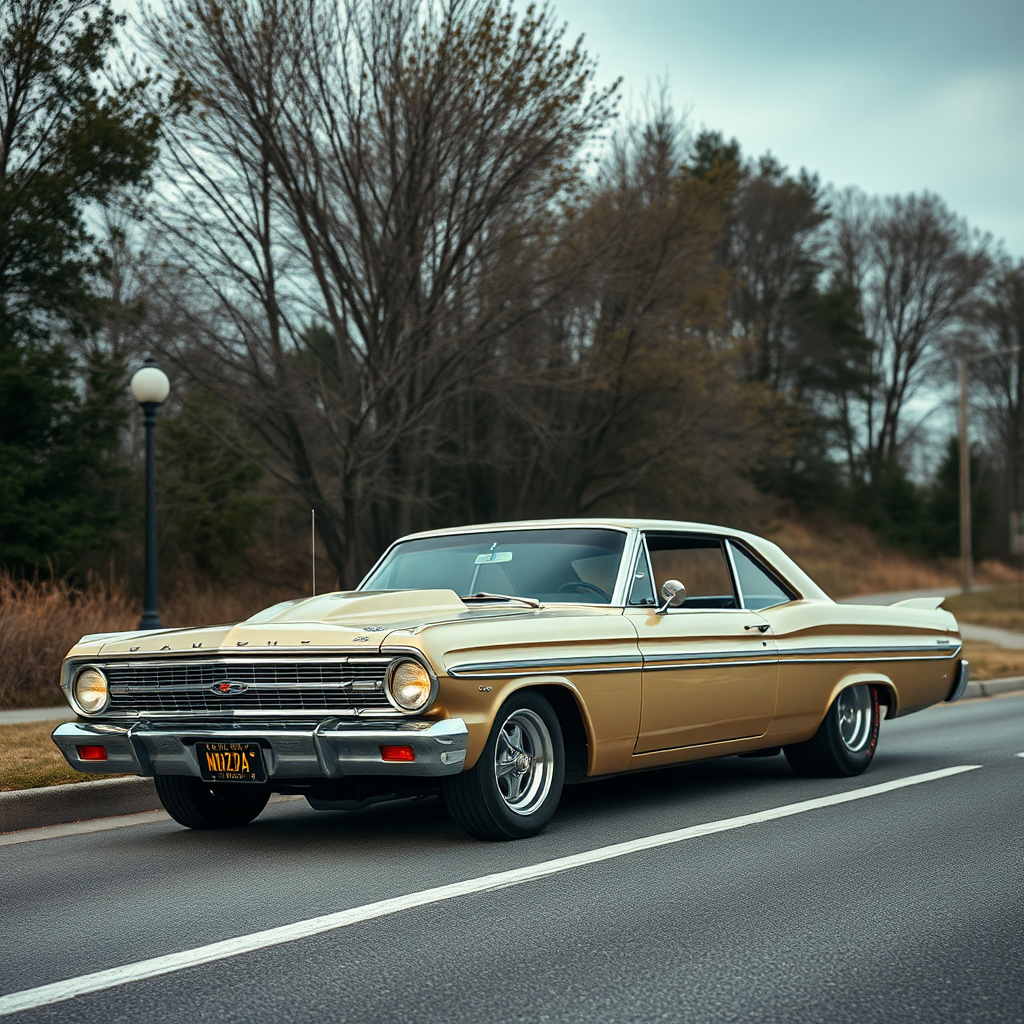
(999, 606)
(29, 758)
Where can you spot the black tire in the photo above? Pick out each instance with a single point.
(846, 739)
(208, 805)
(525, 799)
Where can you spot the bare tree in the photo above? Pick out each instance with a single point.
(775, 247)
(920, 286)
(660, 416)
(362, 197)
(1001, 380)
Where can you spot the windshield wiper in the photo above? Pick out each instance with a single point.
(531, 601)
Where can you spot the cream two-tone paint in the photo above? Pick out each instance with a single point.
(646, 689)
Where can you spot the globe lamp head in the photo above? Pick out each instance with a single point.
(150, 384)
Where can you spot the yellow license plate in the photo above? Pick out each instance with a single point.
(231, 762)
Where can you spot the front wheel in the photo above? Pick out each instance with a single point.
(210, 805)
(513, 789)
(845, 741)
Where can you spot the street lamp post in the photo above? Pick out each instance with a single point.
(150, 387)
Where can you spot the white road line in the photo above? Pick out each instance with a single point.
(75, 828)
(1021, 754)
(61, 990)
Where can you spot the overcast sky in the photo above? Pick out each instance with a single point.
(890, 95)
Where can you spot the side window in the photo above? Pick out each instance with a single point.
(699, 564)
(642, 591)
(759, 588)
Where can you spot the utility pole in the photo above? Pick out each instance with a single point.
(966, 554)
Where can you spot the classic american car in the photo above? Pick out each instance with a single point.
(493, 664)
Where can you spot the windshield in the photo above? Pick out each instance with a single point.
(548, 565)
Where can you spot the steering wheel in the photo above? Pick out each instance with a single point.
(584, 585)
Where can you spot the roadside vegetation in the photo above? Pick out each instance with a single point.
(41, 620)
(996, 606)
(29, 758)
(412, 264)
(991, 662)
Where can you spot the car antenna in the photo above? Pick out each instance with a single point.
(312, 538)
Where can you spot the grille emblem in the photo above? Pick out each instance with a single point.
(229, 687)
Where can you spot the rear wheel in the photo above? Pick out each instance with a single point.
(845, 741)
(208, 805)
(513, 789)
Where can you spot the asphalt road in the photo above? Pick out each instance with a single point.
(906, 905)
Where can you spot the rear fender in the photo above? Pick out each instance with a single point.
(887, 694)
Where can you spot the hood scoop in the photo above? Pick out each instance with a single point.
(364, 607)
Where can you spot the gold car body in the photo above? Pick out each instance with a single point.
(635, 687)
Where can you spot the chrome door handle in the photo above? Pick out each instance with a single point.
(761, 626)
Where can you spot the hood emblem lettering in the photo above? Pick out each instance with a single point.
(360, 639)
(243, 643)
(133, 648)
(229, 687)
(196, 645)
(374, 629)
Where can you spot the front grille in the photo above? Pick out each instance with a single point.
(336, 685)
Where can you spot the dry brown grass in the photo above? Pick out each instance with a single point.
(41, 620)
(991, 662)
(1000, 606)
(29, 758)
(845, 559)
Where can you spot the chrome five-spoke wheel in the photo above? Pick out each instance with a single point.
(513, 789)
(846, 739)
(856, 717)
(524, 761)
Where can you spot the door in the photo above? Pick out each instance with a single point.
(710, 667)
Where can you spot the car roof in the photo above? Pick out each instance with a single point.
(771, 553)
(614, 522)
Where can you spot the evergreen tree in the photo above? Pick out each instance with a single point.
(71, 140)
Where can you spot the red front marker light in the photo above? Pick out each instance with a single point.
(96, 753)
(397, 754)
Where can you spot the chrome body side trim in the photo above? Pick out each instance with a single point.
(612, 663)
(305, 750)
(702, 659)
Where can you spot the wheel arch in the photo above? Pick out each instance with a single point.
(887, 695)
(577, 729)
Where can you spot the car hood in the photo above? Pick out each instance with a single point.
(362, 620)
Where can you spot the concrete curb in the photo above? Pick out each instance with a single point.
(994, 687)
(76, 801)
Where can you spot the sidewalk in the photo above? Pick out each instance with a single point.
(58, 714)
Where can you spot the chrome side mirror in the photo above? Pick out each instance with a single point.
(673, 594)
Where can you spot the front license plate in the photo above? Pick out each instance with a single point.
(231, 762)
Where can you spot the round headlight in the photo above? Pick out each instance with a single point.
(409, 685)
(90, 690)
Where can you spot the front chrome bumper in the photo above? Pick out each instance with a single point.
(330, 749)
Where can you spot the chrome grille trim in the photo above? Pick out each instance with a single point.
(184, 686)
